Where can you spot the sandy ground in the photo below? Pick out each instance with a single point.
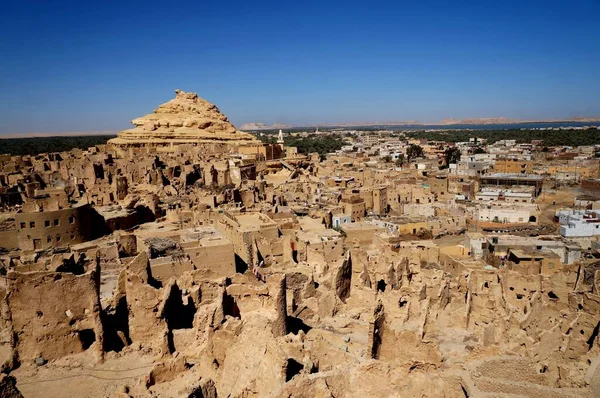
(80, 376)
(552, 200)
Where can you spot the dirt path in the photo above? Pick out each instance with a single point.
(77, 377)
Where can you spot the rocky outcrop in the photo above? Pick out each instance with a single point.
(186, 119)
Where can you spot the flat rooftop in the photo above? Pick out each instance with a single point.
(253, 220)
(310, 224)
(512, 176)
(360, 226)
(202, 236)
(533, 253)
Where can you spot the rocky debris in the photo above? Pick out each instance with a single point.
(205, 388)
(167, 371)
(70, 265)
(162, 247)
(123, 392)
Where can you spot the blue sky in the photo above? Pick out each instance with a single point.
(95, 65)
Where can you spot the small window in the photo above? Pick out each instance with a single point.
(49, 239)
(23, 225)
(71, 220)
(56, 222)
(32, 224)
(58, 238)
(72, 237)
(47, 223)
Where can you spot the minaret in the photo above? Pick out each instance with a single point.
(280, 142)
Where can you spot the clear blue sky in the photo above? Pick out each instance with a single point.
(95, 65)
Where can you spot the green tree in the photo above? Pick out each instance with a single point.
(400, 160)
(452, 155)
(315, 143)
(388, 159)
(414, 151)
(570, 137)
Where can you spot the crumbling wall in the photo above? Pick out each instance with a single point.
(376, 330)
(146, 326)
(342, 281)
(55, 314)
(8, 358)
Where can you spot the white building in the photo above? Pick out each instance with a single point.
(499, 212)
(579, 223)
(470, 167)
(500, 195)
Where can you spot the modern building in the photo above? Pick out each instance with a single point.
(504, 195)
(513, 165)
(579, 223)
(511, 179)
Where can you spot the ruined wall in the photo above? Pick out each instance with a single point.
(164, 268)
(145, 325)
(7, 338)
(9, 239)
(55, 314)
(219, 259)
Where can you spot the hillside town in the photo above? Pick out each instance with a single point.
(188, 258)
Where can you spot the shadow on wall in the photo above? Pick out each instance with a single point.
(240, 265)
(116, 326)
(95, 225)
